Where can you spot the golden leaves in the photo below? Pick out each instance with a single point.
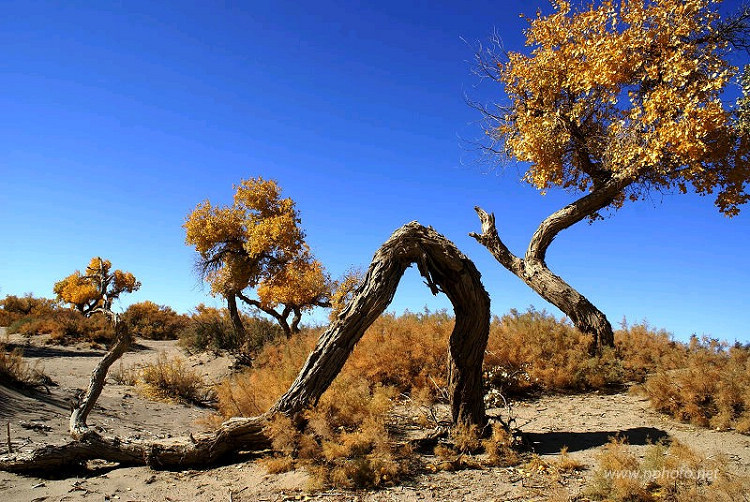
(85, 292)
(630, 90)
(257, 242)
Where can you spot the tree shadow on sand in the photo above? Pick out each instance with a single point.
(545, 443)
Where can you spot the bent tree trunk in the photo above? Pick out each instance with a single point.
(445, 269)
(533, 270)
(441, 264)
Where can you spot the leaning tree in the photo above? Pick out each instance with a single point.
(257, 245)
(611, 102)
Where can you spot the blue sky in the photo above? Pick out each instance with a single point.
(119, 117)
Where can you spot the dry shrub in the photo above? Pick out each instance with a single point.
(344, 442)
(254, 391)
(500, 447)
(171, 379)
(64, 326)
(713, 389)
(534, 352)
(644, 350)
(155, 322)
(673, 472)
(209, 328)
(124, 375)
(15, 370)
(15, 308)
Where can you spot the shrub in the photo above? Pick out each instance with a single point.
(644, 351)
(713, 389)
(65, 326)
(170, 379)
(155, 322)
(345, 443)
(211, 329)
(534, 352)
(673, 472)
(14, 308)
(14, 370)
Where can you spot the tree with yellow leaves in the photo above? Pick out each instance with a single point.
(97, 288)
(612, 101)
(257, 244)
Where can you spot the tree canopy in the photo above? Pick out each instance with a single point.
(257, 244)
(98, 287)
(627, 91)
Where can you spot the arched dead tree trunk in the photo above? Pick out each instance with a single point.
(445, 269)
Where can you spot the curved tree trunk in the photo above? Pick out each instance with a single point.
(234, 315)
(533, 270)
(445, 269)
(440, 263)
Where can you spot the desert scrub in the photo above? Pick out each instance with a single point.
(644, 350)
(534, 352)
(345, 442)
(16, 308)
(171, 379)
(65, 326)
(211, 329)
(712, 389)
(155, 322)
(666, 472)
(15, 370)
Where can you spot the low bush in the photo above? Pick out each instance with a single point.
(534, 352)
(16, 371)
(15, 308)
(712, 389)
(155, 322)
(64, 326)
(171, 379)
(666, 472)
(209, 328)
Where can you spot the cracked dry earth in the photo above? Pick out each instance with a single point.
(583, 423)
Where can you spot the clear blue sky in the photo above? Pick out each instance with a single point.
(118, 117)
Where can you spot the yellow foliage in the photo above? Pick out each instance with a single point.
(97, 288)
(626, 90)
(257, 243)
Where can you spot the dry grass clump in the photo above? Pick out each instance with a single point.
(712, 389)
(466, 449)
(16, 371)
(171, 379)
(673, 472)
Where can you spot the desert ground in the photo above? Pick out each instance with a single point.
(583, 423)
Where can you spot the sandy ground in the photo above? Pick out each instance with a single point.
(583, 423)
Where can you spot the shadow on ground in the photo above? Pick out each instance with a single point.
(552, 442)
(32, 351)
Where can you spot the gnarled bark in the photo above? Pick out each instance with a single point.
(445, 269)
(533, 270)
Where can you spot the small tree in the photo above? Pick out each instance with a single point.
(614, 101)
(257, 244)
(97, 288)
